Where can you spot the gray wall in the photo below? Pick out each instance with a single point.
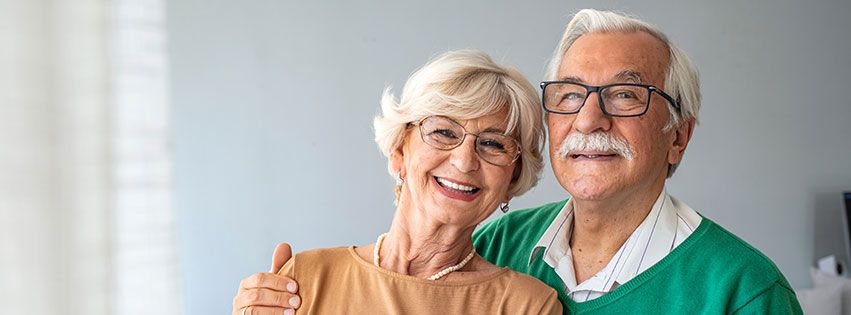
(273, 103)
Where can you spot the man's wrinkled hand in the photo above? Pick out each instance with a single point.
(268, 293)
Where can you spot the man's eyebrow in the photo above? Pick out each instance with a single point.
(629, 75)
(572, 79)
(623, 76)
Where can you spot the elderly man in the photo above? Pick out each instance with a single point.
(622, 105)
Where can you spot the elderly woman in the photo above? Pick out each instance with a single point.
(464, 139)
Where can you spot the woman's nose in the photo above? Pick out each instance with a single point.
(464, 157)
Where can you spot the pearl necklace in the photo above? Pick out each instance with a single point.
(433, 277)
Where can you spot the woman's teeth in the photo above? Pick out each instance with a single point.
(459, 187)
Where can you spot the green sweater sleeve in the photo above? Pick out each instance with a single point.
(776, 299)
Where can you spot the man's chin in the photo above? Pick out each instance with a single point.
(590, 188)
(577, 169)
(589, 198)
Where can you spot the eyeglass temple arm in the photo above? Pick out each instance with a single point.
(667, 97)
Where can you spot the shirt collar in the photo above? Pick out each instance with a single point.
(651, 241)
(560, 226)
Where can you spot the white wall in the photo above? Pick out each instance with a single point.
(86, 223)
(273, 103)
(54, 162)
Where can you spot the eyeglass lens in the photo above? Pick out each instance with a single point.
(445, 134)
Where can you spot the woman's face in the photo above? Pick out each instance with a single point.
(454, 186)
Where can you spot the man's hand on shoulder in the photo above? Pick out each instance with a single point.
(267, 292)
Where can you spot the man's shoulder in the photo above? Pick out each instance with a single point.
(715, 263)
(731, 248)
(722, 254)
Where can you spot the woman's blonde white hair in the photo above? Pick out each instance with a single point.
(467, 84)
(681, 77)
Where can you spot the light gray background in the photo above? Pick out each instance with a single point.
(273, 106)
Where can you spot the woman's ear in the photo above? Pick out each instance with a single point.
(515, 175)
(397, 162)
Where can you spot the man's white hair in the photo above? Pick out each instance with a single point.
(681, 77)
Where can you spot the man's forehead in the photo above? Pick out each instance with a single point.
(636, 57)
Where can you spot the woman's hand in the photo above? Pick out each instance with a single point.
(267, 293)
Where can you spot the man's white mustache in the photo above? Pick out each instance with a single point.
(595, 141)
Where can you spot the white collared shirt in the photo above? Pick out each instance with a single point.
(668, 224)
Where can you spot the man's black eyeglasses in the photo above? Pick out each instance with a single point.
(619, 100)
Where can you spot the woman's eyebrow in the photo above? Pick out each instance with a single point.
(494, 129)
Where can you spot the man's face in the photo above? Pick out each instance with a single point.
(606, 58)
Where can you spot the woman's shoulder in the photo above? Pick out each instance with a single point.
(320, 255)
(530, 296)
(526, 283)
(315, 260)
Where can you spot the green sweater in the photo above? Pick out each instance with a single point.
(711, 272)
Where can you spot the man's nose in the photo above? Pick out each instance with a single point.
(591, 116)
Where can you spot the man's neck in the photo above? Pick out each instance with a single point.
(600, 228)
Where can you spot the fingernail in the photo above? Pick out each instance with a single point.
(294, 301)
(291, 287)
(289, 311)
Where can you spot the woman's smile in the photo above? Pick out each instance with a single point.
(455, 189)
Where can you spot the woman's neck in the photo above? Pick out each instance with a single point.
(422, 249)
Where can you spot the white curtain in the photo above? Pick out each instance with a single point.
(86, 222)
